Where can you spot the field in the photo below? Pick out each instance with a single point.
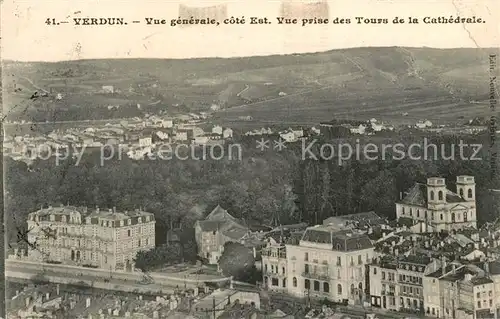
(402, 85)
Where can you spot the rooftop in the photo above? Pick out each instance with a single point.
(344, 240)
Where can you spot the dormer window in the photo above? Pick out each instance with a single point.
(121, 223)
(440, 195)
(147, 219)
(139, 220)
(338, 246)
(52, 218)
(63, 218)
(129, 221)
(469, 193)
(432, 195)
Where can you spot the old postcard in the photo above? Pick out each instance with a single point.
(250, 159)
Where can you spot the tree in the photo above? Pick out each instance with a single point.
(238, 261)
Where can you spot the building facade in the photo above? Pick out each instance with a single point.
(397, 284)
(77, 236)
(441, 208)
(327, 263)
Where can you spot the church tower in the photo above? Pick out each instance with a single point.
(466, 187)
(436, 191)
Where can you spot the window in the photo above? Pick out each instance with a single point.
(128, 233)
(465, 216)
(121, 223)
(339, 289)
(272, 268)
(316, 285)
(307, 284)
(139, 242)
(129, 222)
(478, 295)
(411, 212)
(461, 193)
(306, 268)
(440, 195)
(352, 261)
(284, 282)
(139, 220)
(147, 219)
(441, 216)
(274, 282)
(479, 304)
(403, 210)
(418, 213)
(294, 282)
(452, 217)
(283, 269)
(339, 261)
(265, 267)
(374, 270)
(306, 257)
(432, 195)
(360, 261)
(326, 287)
(383, 275)
(469, 193)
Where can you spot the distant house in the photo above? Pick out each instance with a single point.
(288, 137)
(167, 123)
(361, 129)
(227, 133)
(145, 141)
(217, 129)
(198, 131)
(215, 230)
(109, 89)
(201, 140)
(181, 136)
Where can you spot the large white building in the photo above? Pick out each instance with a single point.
(326, 263)
(99, 238)
(434, 204)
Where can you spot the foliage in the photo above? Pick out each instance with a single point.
(238, 261)
(262, 188)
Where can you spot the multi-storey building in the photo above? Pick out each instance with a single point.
(274, 266)
(327, 263)
(397, 283)
(77, 236)
(434, 204)
(218, 228)
(463, 291)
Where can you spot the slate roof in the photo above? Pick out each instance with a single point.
(339, 240)
(364, 219)
(417, 196)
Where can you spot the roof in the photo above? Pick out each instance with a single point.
(417, 196)
(365, 219)
(339, 240)
(105, 218)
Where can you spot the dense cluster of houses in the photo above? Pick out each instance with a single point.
(136, 137)
(432, 260)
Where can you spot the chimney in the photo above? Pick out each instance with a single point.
(57, 289)
(87, 302)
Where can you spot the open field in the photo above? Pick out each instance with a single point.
(432, 84)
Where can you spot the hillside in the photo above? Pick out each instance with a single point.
(427, 83)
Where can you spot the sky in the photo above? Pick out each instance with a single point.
(26, 37)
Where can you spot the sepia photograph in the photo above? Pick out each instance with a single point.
(250, 160)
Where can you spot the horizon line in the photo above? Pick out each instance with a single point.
(249, 56)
